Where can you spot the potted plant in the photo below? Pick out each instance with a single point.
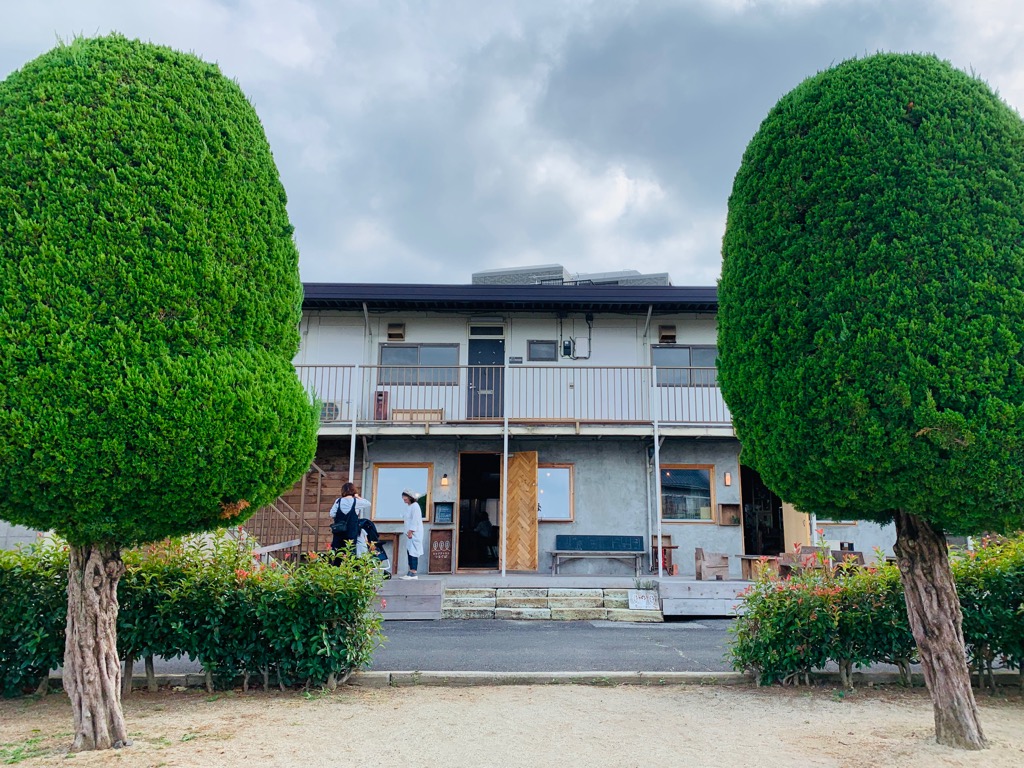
(645, 596)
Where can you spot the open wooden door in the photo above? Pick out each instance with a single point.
(521, 525)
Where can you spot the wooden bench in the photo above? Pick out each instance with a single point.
(570, 547)
(417, 415)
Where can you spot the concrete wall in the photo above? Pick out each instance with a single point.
(614, 492)
(12, 535)
(866, 537)
(723, 455)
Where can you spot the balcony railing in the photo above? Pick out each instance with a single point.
(531, 393)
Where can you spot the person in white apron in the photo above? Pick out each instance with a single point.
(413, 531)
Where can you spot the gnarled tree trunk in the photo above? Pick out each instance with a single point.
(937, 623)
(92, 674)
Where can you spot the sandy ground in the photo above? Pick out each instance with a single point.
(509, 726)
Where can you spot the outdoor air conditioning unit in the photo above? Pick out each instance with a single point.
(330, 412)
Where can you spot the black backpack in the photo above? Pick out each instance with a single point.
(346, 523)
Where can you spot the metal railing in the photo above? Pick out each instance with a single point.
(531, 393)
(283, 531)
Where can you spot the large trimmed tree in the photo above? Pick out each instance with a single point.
(149, 303)
(871, 323)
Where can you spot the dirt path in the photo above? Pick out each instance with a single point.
(521, 726)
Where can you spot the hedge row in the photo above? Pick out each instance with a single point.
(856, 617)
(208, 599)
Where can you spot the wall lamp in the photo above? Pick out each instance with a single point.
(728, 478)
(444, 481)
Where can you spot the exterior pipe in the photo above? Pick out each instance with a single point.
(656, 413)
(355, 413)
(504, 450)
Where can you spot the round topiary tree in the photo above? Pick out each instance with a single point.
(872, 321)
(149, 307)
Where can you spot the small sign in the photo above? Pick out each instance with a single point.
(515, 361)
(444, 512)
(440, 551)
(643, 599)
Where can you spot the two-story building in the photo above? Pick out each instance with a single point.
(528, 404)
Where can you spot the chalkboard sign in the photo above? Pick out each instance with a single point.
(571, 543)
(440, 551)
(444, 512)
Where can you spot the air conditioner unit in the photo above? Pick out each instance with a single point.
(330, 412)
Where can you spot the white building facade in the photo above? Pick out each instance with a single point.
(529, 404)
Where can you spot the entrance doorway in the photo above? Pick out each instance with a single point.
(762, 516)
(479, 510)
(479, 522)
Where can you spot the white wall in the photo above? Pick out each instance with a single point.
(337, 338)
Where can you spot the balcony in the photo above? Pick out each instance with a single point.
(618, 399)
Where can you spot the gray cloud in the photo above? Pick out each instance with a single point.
(422, 141)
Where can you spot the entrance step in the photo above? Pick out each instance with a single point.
(542, 603)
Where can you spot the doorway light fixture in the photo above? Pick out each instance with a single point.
(728, 478)
(444, 481)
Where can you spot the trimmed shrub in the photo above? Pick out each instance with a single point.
(990, 582)
(33, 582)
(206, 598)
(857, 617)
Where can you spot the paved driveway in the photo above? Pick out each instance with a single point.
(481, 645)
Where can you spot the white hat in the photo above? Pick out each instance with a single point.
(411, 494)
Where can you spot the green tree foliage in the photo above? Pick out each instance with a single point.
(149, 299)
(871, 305)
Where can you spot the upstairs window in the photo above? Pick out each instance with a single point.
(685, 366)
(419, 364)
(542, 351)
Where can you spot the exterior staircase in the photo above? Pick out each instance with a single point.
(542, 603)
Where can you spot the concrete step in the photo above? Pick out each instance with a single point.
(543, 603)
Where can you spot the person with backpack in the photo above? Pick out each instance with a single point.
(345, 514)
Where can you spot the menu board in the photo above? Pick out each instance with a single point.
(440, 551)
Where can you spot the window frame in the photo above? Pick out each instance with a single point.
(533, 358)
(572, 492)
(682, 375)
(401, 465)
(712, 518)
(449, 372)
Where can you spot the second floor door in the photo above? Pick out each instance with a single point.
(486, 391)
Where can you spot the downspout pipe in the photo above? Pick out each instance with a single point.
(504, 449)
(358, 399)
(656, 414)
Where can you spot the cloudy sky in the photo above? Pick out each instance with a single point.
(421, 141)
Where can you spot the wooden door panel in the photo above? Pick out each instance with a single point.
(521, 524)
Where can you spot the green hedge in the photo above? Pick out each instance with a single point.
(790, 628)
(206, 598)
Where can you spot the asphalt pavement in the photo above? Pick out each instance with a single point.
(482, 645)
